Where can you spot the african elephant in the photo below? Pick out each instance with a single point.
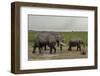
(75, 43)
(44, 39)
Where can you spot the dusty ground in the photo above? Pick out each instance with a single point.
(65, 54)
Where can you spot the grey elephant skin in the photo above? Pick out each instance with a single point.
(50, 39)
(75, 43)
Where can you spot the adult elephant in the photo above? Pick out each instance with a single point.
(75, 43)
(44, 39)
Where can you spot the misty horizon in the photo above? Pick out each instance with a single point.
(57, 23)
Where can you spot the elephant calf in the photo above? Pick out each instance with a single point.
(75, 43)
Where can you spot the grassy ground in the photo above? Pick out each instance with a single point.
(65, 54)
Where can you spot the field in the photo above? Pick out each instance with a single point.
(65, 54)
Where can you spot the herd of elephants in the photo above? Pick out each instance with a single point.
(53, 40)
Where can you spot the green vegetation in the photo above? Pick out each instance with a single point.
(31, 36)
(67, 36)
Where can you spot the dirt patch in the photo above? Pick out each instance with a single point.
(64, 54)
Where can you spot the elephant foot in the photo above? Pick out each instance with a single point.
(54, 51)
(83, 53)
(50, 52)
(33, 51)
(69, 49)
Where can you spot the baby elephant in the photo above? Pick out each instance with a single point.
(75, 43)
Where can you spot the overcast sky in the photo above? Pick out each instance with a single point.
(57, 23)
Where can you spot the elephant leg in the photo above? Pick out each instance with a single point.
(80, 48)
(34, 48)
(77, 48)
(61, 48)
(70, 48)
(40, 50)
(45, 47)
(54, 49)
(50, 50)
(58, 43)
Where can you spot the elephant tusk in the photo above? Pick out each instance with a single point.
(61, 43)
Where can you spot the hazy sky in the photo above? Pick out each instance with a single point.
(57, 23)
